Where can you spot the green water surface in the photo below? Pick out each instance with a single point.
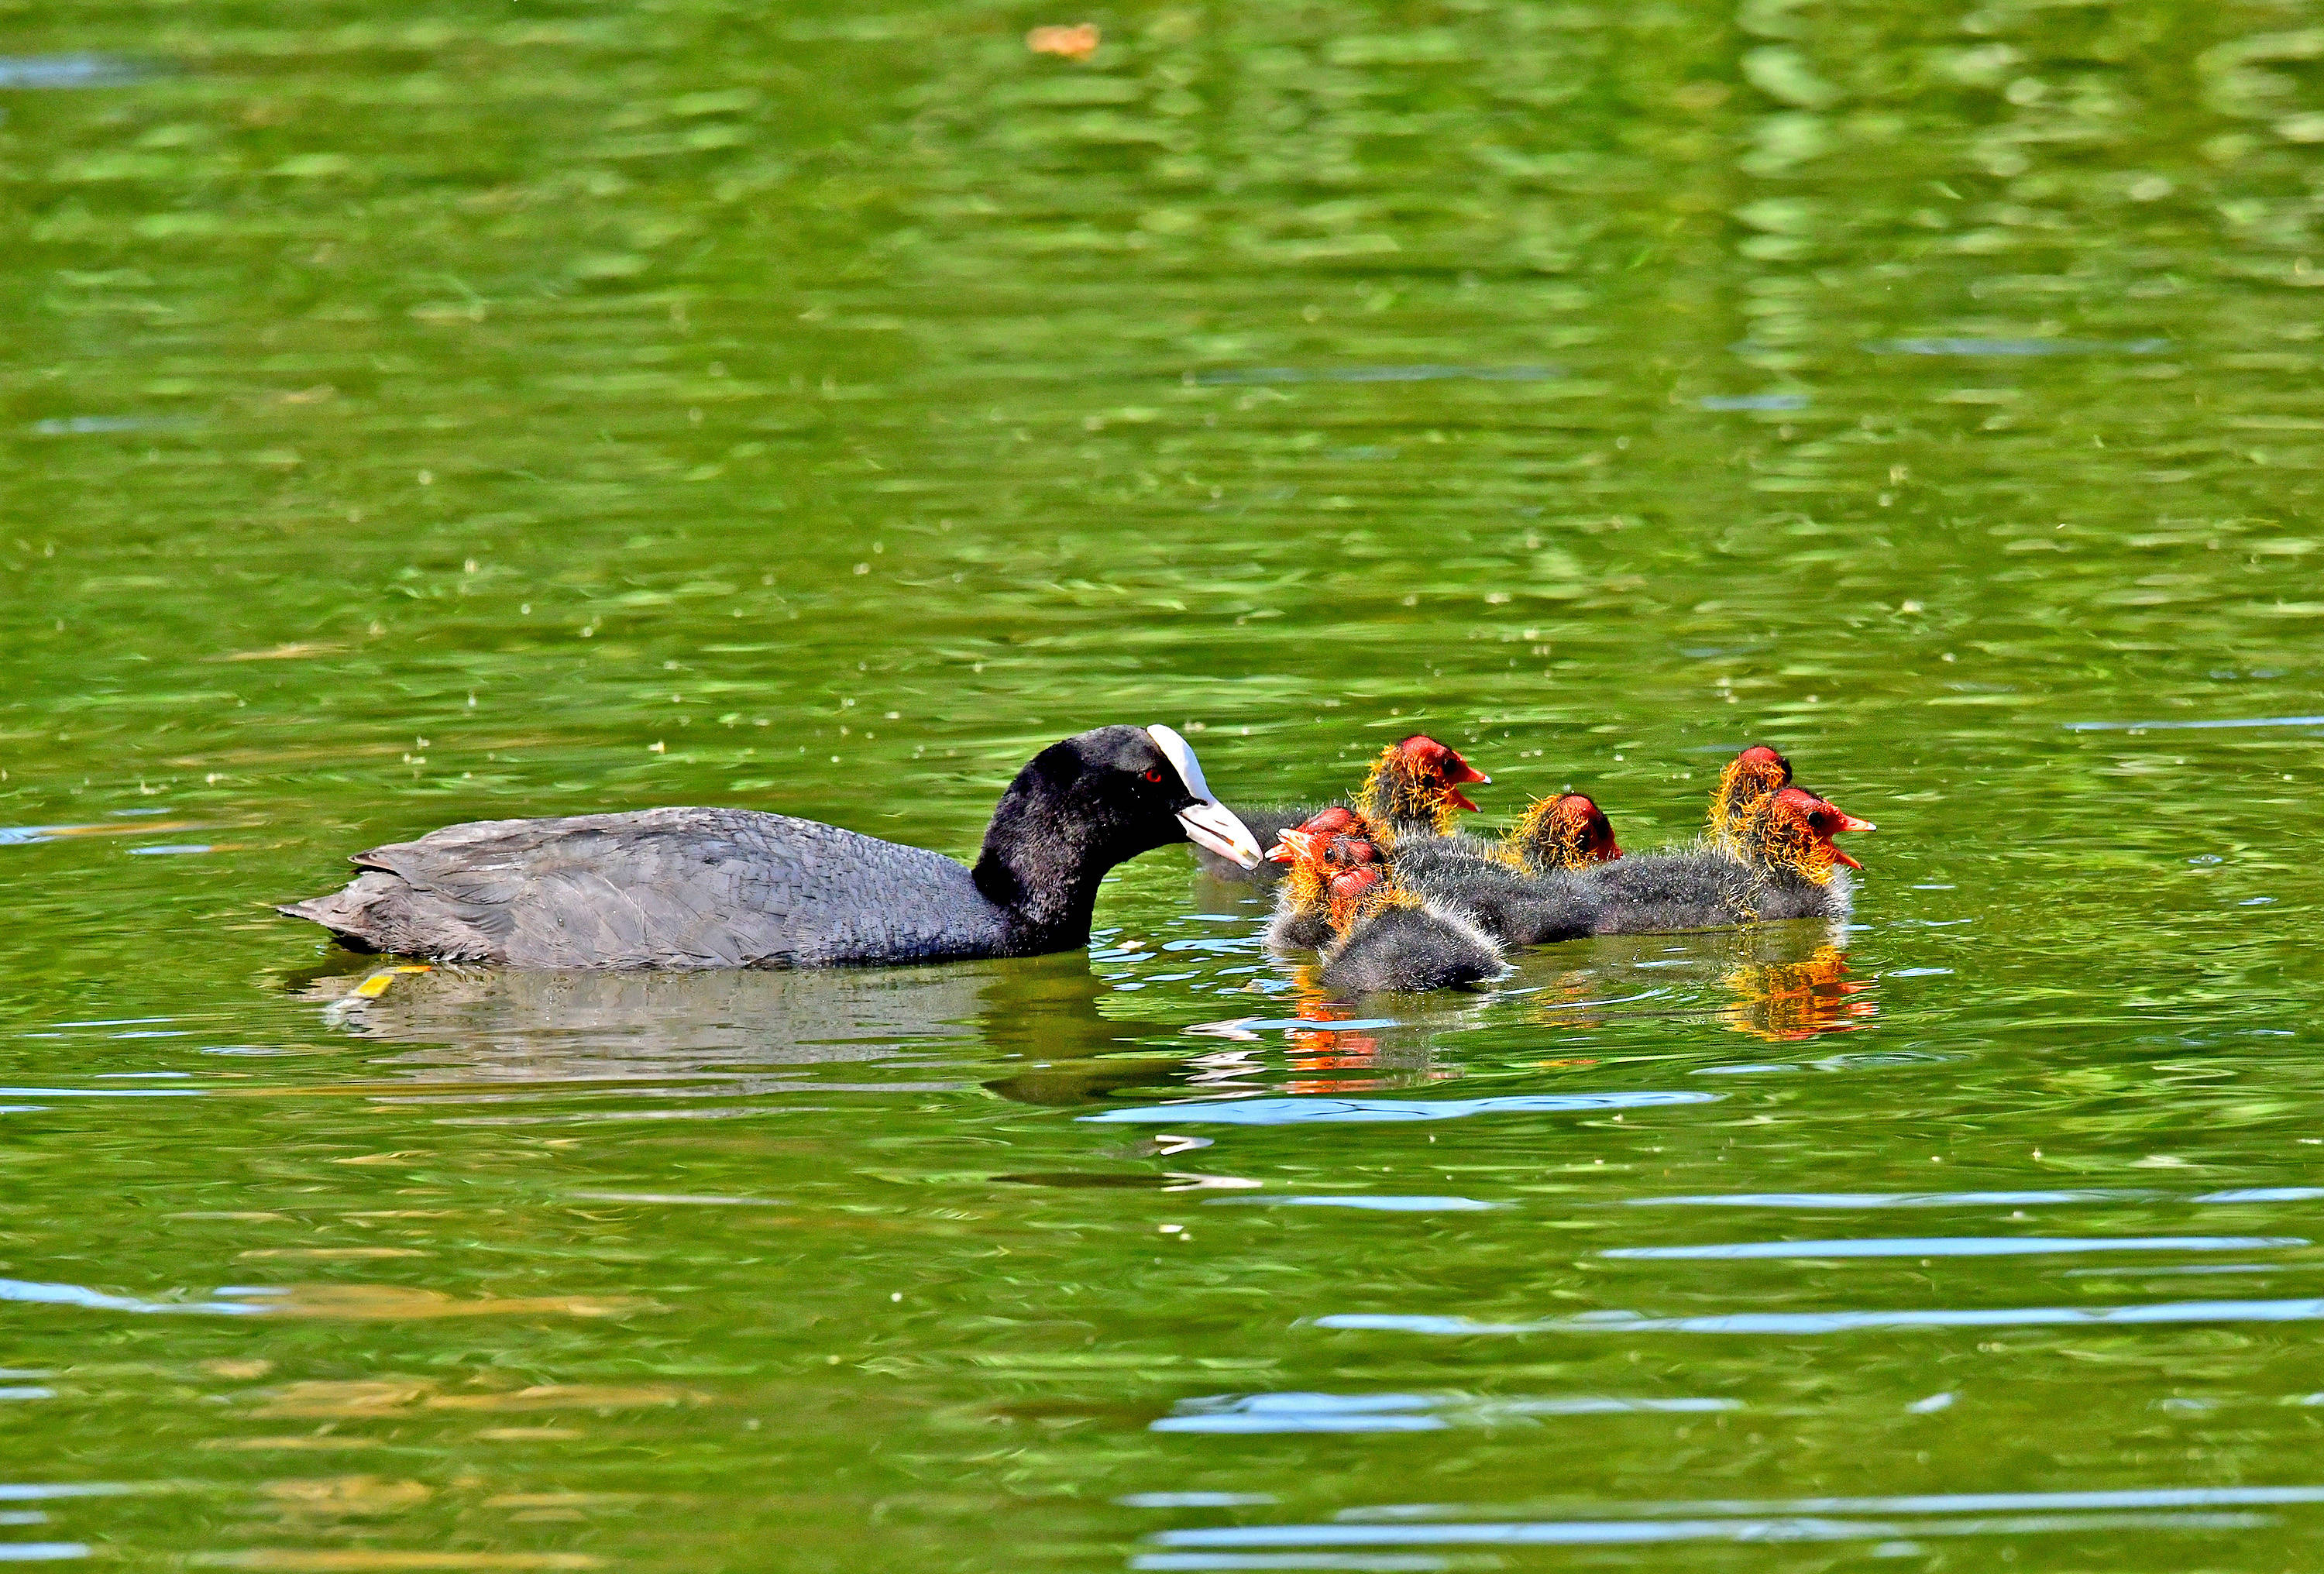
(465, 409)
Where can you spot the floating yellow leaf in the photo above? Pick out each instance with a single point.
(1077, 42)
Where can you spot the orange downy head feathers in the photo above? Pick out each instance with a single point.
(1418, 780)
(1565, 832)
(1335, 873)
(1749, 781)
(1792, 829)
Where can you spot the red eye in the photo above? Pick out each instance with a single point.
(1153, 774)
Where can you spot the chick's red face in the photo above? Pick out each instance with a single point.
(1598, 844)
(1583, 826)
(1321, 828)
(1444, 766)
(1824, 820)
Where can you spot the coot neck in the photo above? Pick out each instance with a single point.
(1042, 861)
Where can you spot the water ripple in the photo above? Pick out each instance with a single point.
(1955, 1245)
(1603, 1533)
(1233, 377)
(1298, 1111)
(1403, 1412)
(2191, 726)
(30, 1291)
(73, 70)
(2305, 1310)
(1367, 1202)
(2016, 348)
(1843, 1199)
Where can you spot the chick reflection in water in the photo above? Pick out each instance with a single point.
(1336, 1061)
(1785, 1000)
(1787, 981)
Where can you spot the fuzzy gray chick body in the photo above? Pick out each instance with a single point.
(1409, 946)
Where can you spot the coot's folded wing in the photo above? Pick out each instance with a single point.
(663, 887)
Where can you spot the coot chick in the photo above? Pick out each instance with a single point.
(734, 888)
(1398, 942)
(1414, 788)
(1477, 880)
(1331, 861)
(1749, 779)
(1514, 889)
(1565, 832)
(1375, 934)
(1784, 865)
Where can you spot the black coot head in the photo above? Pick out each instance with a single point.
(1129, 789)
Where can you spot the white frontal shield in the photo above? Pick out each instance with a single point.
(1207, 821)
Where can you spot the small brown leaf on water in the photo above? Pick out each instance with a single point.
(566, 1396)
(307, 1442)
(296, 651)
(141, 828)
(1077, 42)
(359, 1397)
(346, 1495)
(333, 1253)
(566, 1500)
(362, 1398)
(253, 1368)
(370, 1302)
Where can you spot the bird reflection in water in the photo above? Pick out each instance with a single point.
(1575, 1000)
(756, 1031)
(1328, 1061)
(1785, 1001)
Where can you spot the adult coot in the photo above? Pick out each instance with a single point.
(735, 888)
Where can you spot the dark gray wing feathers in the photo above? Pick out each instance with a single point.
(661, 888)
